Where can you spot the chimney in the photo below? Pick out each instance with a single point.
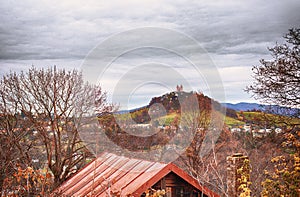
(238, 173)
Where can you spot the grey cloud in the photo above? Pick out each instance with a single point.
(33, 30)
(235, 33)
(227, 24)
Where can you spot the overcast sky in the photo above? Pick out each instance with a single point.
(235, 34)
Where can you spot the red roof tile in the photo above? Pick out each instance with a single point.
(112, 173)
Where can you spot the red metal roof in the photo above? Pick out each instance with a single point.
(118, 174)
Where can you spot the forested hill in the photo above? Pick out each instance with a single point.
(172, 102)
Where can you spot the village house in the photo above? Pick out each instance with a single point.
(113, 175)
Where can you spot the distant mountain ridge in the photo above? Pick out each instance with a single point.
(274, 109)
(244, 106)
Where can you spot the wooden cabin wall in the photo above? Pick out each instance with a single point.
(175, 186)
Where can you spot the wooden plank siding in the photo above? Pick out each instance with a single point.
(175, 186)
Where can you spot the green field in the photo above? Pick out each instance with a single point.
(257, 118)
(233, 122)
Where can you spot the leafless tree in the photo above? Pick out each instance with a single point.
(278, 80)
(205, 157)
(54, 104)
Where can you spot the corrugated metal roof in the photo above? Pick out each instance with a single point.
(110, 173)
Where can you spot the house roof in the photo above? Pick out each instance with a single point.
(126, 176)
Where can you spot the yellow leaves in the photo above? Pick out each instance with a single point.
(246, 193)
(28, 180)
(30, 170)
(266, 172)
(244, 179)
(286, 173)
(155, 193)
(267, 181)
(276, 159)
(240, 170)
(275, 176)
(245, 189)
(285, 180)
(297, 159)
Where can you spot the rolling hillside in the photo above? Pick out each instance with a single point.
(236, 114)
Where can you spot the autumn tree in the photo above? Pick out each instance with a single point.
(277, 81)
(54, 103)
(27, 182)
(15, 148)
